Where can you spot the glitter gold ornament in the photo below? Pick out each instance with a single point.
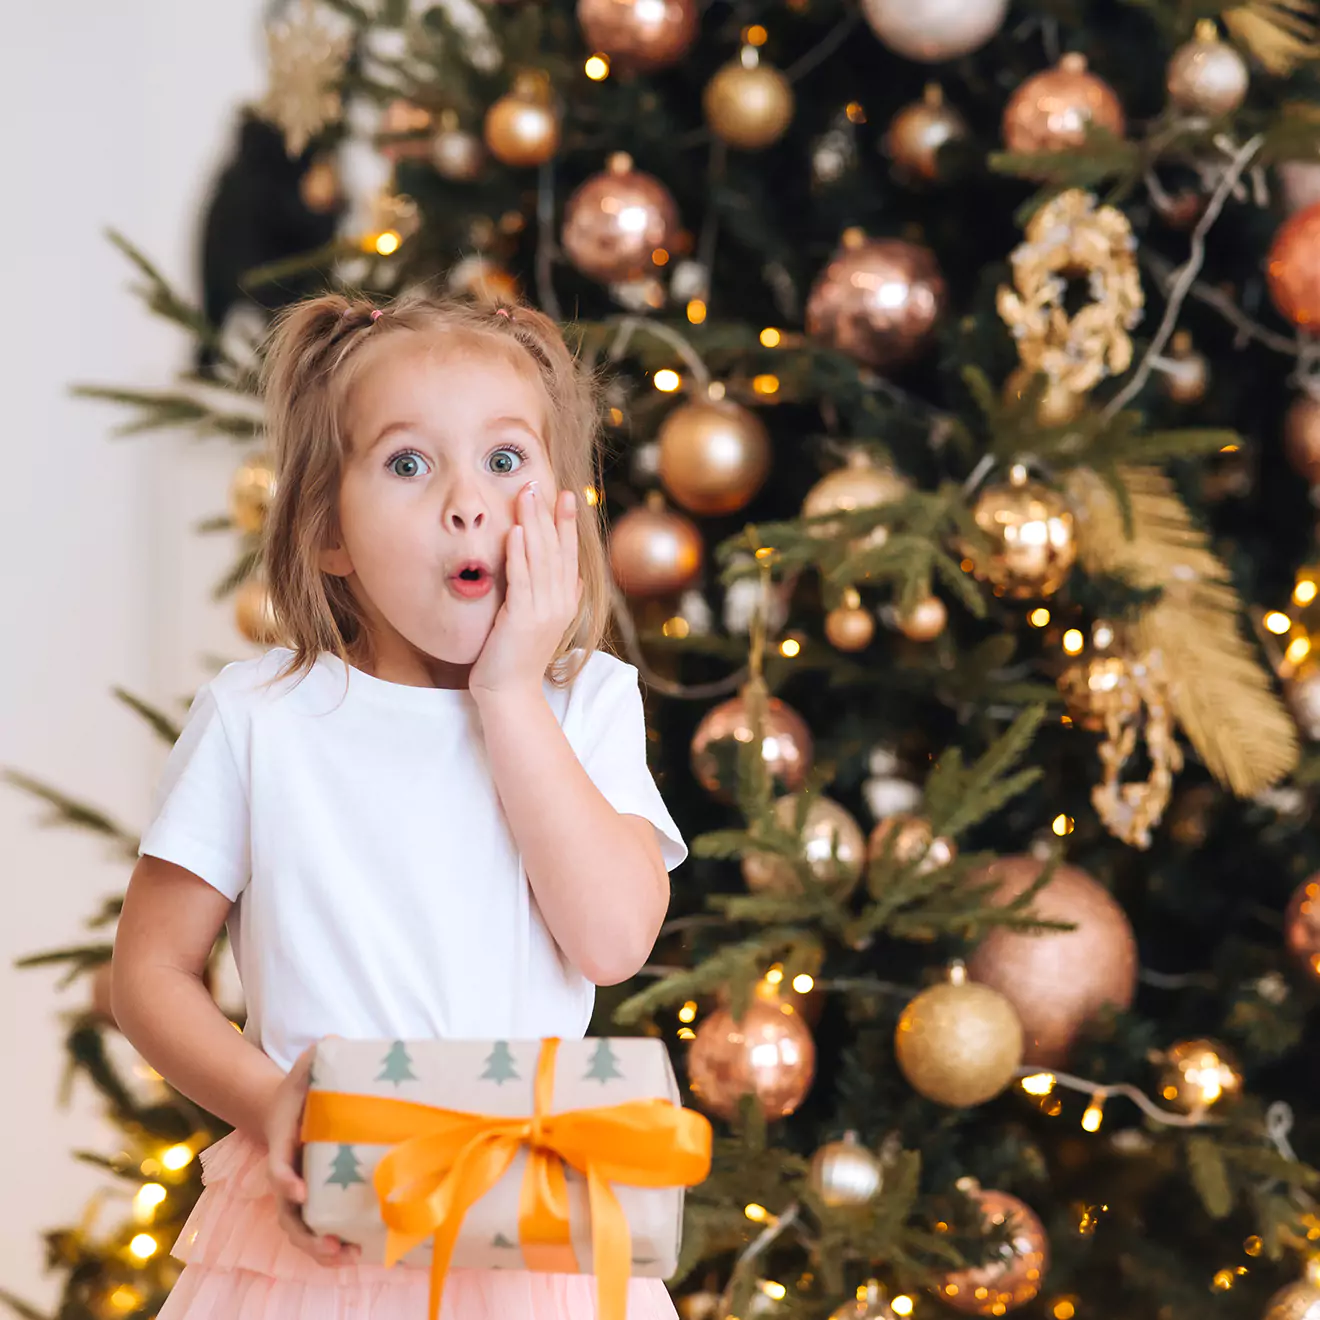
(404, 131)
(655, 551)
(456, 154)
(251, 492)
(639, 34)
(616, 220)
(1055, 110)
(933, 31)
(1056, 405)
(1301, 926)
(919, 131)
(925, 621)
(522, 127)
(1032, 534)
(769, 1054)
(959, 1044)
(1301, 437)
(1059, 981)
(869, 1304)
(714, 455)
(1293, 267)
(831, 843)
(914, 842)
(1207, 76)
(860, 483)
(849, 627)
(786, 744)
(307, 61)
(254, 613)
(845, 1173)
(748, 104)
(1016, 1276)
(878, 300)
(1186, 375)
(1198, 1075)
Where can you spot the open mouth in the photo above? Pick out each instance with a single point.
(471, 580)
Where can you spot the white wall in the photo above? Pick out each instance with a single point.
(115, 114)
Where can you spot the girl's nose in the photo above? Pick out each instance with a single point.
(465, 511)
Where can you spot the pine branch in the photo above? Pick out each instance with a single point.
(161, 299)
(167, 728)
(21, 1309)
(169, 410)
(68, 811)
(1209, 1176)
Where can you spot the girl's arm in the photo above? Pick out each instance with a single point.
(598, 876)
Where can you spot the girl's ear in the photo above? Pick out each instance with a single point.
(335, 561)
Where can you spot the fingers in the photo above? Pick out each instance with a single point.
(518, 585)
(566, 525)
(324, 1249)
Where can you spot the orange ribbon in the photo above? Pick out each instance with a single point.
(444, 1160)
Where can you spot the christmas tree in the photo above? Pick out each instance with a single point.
(962, 420)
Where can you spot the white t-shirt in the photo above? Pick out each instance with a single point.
(379, 891)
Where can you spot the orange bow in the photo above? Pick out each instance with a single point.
(445, 1160)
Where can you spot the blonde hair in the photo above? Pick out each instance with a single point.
(311, 359)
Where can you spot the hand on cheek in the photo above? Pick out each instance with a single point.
(541, 594)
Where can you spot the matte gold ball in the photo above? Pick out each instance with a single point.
(616, 220)
(1033, 538)
(921, 130)
(251, 492)
(1301, 926)
(1054, 110)
(748, 107)
(832, 845)
(1301, 437)
(522, 128)
(845, 1172)
(925, 621)
(1016, 1277)
(1206, 75)
(859, 484)
(768, 1054)
(655, 551)
(254, 613)
(849, 628)
(1293, 267)
(714, 456)
(959, 1044)
(786, 745)
(1199, 1075)
(639, 34)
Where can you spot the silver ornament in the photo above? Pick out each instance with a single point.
(890, 797)
(1207, 76)
(646, 462)
(845, 1173)
(690, 280)
(883, 760)
(934, 30)
(694, 608)
(743, 598)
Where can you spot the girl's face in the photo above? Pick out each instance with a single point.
(443, 436)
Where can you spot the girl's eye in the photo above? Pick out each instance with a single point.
(507, 458)
(407, 464)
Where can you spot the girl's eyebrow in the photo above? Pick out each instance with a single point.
(521, 423)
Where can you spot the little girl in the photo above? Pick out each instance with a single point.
(430, 816)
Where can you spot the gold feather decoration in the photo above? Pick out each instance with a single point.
(1281, 34)
(1223, 696)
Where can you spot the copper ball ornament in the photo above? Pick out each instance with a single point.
(1207, 76)
(251, 492)
(714, 456)
(1292, 267)
(1032, 535)
(655, 551)
(959, 1044)
(1198, 1075)
(878, 300)
(1301, 437)
(849, 627)
(1301, 926)
(831, 843)
(934, 30)
(616, 220)
(768, 1054)
(254, 612)
(456, 154)
(522, 127)
(845, 1173)
(919, 131)
(639, 34)
(1055, 109)
(925, 621)
(1059, 981)
(1016, 1277)
(748, 104)
(786, 745)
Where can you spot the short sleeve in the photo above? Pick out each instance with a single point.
(201, 814)
(613, 752)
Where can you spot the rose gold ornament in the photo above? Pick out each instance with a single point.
(1033, 537)
(616, 220)
(878, 300)
(1301, 926)
(457, 155)
(925, 621)
(919, 132)
(748, 104)
(786, 744)
(1186, 376)
(1206, 75)
(1056, 405)
(960, 1043)
(250, 494)
(1301, 437)
(1058, 981)
(849, 627)
(769, 1054)
(404, 117)
(655, 551)
(1015, 1278)
(1293, 267)
(254, 613)
(832, 845)
(914, 842)
(522, 128)
(934, 30)
(714, 455)
(639, 34)
(1199, 1075)
(1055, 109)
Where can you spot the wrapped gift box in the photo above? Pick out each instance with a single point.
(496, 1079)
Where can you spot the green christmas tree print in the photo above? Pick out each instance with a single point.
(503, 1243)
(604, 1064)
(500, 1067)
(397, 1067)
(344, 1172)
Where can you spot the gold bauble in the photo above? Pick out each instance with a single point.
(402, 116)
(1100, 687)
(639, 34)
(914, 842)
(714, 456)
(1186, 374)
(319, 186)
(251, 492)
(254, 613)
(1015, 1278)
(1293, 267)
(769, 1054)
(786, 745)
(748, 104)
(959, 1044)
(925, 621)
(1055, 109)
(878, 300)
(1199, 1075)
(456, 154)
(1301, 438)
(616, 220)
(1059, 981)
(849, 627)
(1057, 404)
(655, 551)
(845, 1172)
(1297, 1301)
(522, 128)
(859, 484)
(1301, 926)
(832, 844)
(934, 31)
(869, 1304)
(919, 131)
(1207, 76)
(1033, 537)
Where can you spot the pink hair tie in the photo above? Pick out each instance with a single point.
(504, 312)
(376, 315)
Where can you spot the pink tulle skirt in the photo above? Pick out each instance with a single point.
(239, 1265)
